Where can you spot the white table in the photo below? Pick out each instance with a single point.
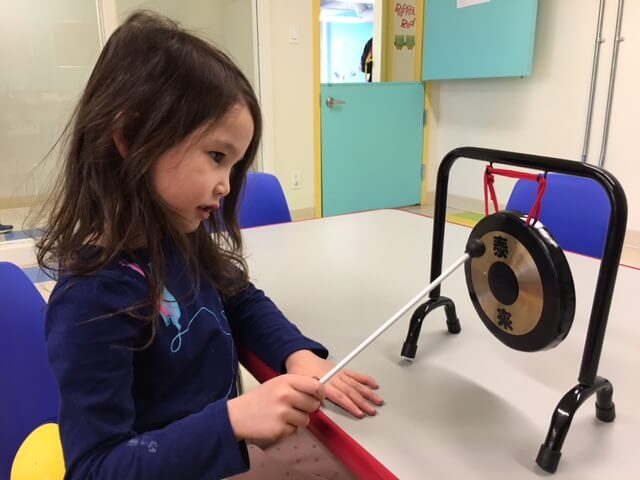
(467, 407)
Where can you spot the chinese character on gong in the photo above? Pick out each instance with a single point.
(500, 247)
(504, 319)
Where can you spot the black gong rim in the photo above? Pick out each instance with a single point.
(558, 307)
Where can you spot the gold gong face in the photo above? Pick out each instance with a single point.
(520, 310)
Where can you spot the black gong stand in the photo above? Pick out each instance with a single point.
(588, 380)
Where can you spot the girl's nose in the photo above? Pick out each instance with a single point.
(223, 187)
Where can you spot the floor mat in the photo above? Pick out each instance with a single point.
(468, 219)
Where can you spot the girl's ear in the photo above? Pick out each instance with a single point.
(119, 122)
(121, 143)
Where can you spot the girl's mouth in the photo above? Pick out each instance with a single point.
(206, 210)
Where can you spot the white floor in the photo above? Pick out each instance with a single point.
(14, 216)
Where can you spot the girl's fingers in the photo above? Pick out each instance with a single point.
(306, 385)
(296, 418)
(364, 390)
(306, 403)
(361, 378)
(357, 398)
(337, 396)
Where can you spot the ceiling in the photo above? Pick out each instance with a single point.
(335, 11)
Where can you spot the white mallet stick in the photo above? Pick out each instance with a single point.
(475, 250)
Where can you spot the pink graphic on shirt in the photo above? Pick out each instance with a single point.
(169, 308)
(133, 266)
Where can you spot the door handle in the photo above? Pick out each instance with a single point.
(333, 102)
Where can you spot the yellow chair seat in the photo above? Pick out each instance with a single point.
(40, 455)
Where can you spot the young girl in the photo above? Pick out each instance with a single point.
(150, 304)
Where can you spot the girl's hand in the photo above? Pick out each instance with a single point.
(275, 409)
(348, 389)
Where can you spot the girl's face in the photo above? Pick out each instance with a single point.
(192, 177)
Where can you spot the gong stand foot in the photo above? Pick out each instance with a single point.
(550, 451)
(410, 345)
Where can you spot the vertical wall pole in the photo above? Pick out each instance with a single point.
(594, 76)
(612, 83)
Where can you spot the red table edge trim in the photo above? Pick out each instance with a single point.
(358, 460)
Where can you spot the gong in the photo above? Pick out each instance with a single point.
(522, 287)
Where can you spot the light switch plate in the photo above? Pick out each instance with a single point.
(294, 33)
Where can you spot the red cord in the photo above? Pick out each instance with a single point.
(490, 191)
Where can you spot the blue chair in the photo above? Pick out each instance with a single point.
(575, 210)
(29, 395)
(263, 201)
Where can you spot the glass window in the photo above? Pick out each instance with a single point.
(47, 51)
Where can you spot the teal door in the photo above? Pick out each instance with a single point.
(372, 135)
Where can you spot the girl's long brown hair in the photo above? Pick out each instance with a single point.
(158, 84)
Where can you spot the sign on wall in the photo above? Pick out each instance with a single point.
(403, 51)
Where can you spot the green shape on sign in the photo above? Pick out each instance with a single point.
(399, 41)
(411, 41)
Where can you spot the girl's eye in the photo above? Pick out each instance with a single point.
(217, 157)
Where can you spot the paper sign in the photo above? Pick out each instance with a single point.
(470, 3)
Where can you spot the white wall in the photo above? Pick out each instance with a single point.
(545, 113)
(291, 85)
(228, 23)
(238, 38)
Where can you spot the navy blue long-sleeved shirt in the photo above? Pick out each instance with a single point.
(158, 412)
